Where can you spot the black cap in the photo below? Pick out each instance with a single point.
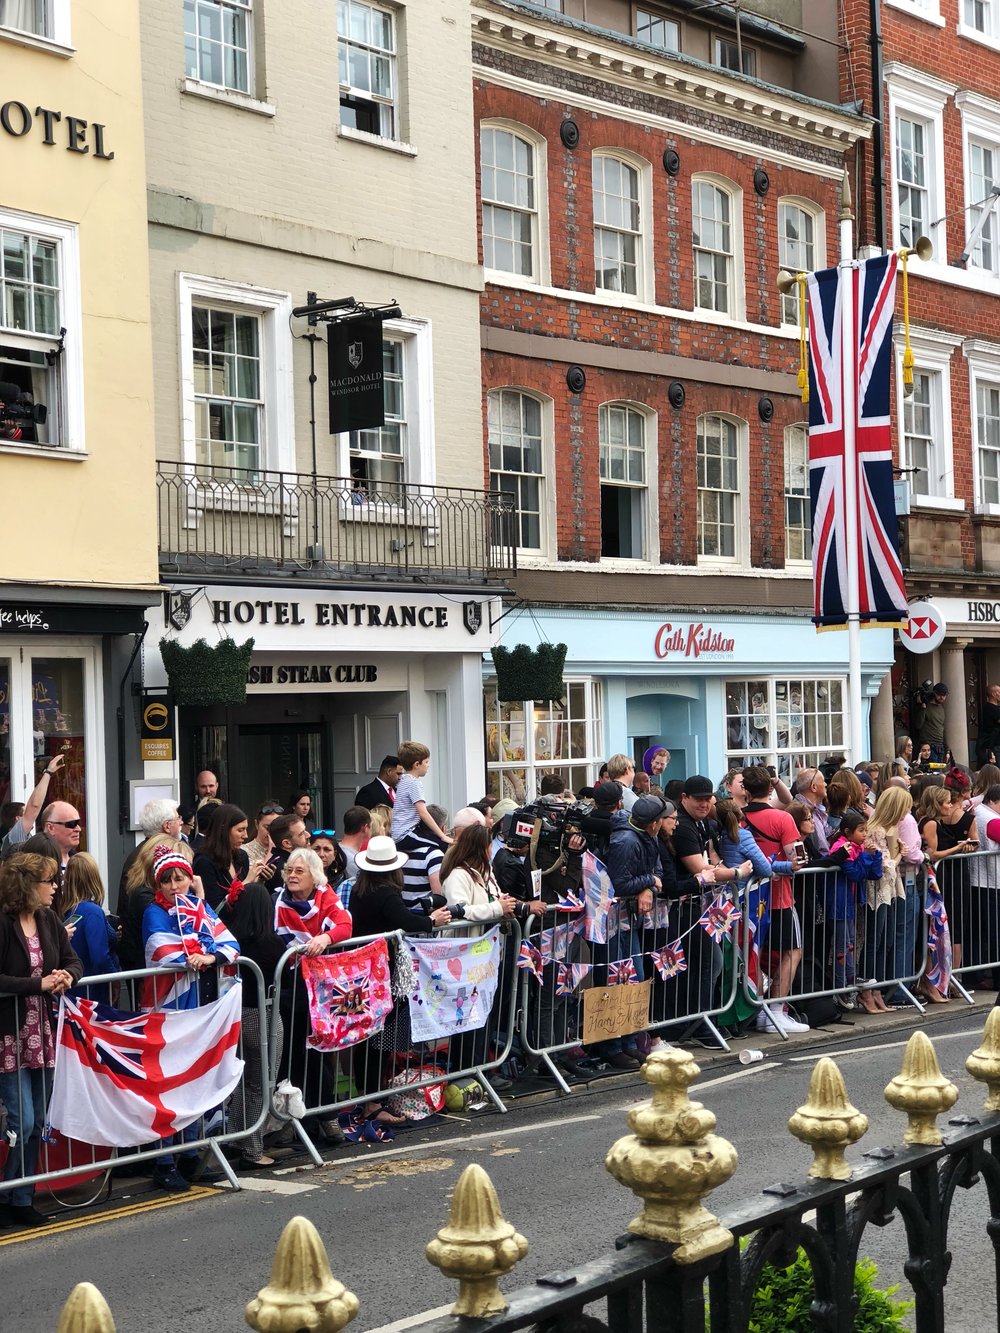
(940, 688)
(698, 786)
(646, 810)
(607, 794)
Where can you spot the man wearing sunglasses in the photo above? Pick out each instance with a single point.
(61, 821)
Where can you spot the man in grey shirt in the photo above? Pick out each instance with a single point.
(25, 826)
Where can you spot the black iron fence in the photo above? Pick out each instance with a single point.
(235, 521)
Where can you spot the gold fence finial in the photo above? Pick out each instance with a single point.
(302, 1293)
(984, 1063)
(672, 1161)
(922, 1091)
(828, 1122)
(86, 1311)
(477, 1245)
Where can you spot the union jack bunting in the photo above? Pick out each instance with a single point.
(670, 960)
(554, 944)
(530, 960)
(871, 287)
(569, 976)
(718, 918)
(623, 973)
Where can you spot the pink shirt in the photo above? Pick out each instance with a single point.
(909, 840)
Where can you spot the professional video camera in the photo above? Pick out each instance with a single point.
(556, 823)
(924, 692)
(18, 409)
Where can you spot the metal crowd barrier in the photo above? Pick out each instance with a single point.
(970, 886)
(848, 945)
(63, 1163)
(692, 984)
(388, 1063)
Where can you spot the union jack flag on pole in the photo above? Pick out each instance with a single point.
(853, 506)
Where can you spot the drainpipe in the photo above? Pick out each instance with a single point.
(878, 129)
(123, 806)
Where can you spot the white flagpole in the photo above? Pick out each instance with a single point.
(848, 344)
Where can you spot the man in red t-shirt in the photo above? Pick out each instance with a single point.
(775, 833)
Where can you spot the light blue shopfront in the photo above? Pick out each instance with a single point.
(714, 689)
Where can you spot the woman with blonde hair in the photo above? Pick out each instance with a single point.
(80, 902)
(886, 897)
(139, 892)
(381, 821)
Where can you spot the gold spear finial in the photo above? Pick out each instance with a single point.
(672, 1161)
(984, 1063)
(922, 1091)
(303, 1294)
(828, 1122)
(86, 1311)
(477, 1245)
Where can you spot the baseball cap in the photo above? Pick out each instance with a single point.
(607, 793)
(503, 808)
(863, 777)
(940, 688)
(698, 786)
(646, 809)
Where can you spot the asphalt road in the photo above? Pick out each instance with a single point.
(194, 1264)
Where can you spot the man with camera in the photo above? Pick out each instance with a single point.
(929, 717)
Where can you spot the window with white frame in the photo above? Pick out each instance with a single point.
(624, 489)
(798, 522)
(367, 63)
(33, 16)
(510, 202)
(738, 57)
(925, 444)
(712, 239)
(218, 37)
(525, 740)
(790, 724)
(378, 454)
(981, 137)
(617, 225)
(516, 449)
(916, 119)
(929, 10)
(988, 442)
(798, 249)
(40, 328)
(658, 31)
(979, 18)
(236, 379)
(719, 489)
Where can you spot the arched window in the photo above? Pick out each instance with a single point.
(624, 483)
(712, 234)
(516, 446)
(510, 202)
(618, 242)
(801, 248)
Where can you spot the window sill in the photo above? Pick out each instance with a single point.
(949, 503)
(376, 141)
(985, 512)
(227, 96)
(37, 43)
(55, 452)
(974, 35)
(916, 11)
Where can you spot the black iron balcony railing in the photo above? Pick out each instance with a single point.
(234, 521)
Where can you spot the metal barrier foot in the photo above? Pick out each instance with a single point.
(969, 999)
(490, 1091)
(717, 1034)
(556, 1073)
(307, 1142)
(911, 998)
(225, 1166)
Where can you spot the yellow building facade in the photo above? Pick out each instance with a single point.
(78, 555)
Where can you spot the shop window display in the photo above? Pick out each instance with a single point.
(789, 724)
(525, 739)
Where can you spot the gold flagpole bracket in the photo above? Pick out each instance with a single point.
(923, 249)
(786, 283)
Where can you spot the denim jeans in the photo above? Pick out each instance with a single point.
(26, 1095)
(906, 912)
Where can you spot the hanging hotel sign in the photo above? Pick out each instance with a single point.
(156, 737)
(692, 641)
(357, 382)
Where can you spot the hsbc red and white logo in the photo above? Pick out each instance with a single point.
(925, 628)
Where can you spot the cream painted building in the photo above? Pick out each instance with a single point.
(296, 149)
(78, 564)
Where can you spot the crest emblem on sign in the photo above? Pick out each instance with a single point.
(355, 354)
(179, 608)
(472, 616)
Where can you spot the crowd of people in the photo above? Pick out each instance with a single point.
(837, 849)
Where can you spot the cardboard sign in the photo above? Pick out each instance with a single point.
(615, 1011)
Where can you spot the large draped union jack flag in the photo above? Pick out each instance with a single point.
(871, 287)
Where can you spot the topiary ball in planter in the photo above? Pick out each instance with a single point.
(205, 674)
(530, 673)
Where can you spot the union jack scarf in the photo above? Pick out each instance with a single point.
(174, 932)
(297, 922)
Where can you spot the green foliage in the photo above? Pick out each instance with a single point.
(530, 673)
(207, 674)
(783, 1296)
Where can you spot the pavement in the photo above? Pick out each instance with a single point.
(193, 1260)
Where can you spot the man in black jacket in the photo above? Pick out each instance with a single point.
(382, 790)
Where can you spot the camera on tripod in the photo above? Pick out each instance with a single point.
(17, 410)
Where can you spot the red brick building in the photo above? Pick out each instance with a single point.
(933, 167)
(639, 193)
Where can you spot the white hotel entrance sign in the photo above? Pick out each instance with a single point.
(925, 629)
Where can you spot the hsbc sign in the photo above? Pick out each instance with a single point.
(925, 629)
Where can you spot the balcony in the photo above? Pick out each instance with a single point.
(237, 523)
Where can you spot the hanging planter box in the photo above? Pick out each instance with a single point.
(207, 674)
(530, 673)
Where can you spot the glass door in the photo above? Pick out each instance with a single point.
(277, 760)
(59, 726)
(7, 789)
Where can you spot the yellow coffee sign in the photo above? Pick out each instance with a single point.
(156, 740)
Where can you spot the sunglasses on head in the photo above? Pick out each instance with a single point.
(323, 833)
(67, 823)
(272, 810)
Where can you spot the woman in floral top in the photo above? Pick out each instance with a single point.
(36, 962)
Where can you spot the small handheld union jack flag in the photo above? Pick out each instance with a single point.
(623, 973)
(718, 918)
(530, 960)
(670, 960)
(569, 902)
